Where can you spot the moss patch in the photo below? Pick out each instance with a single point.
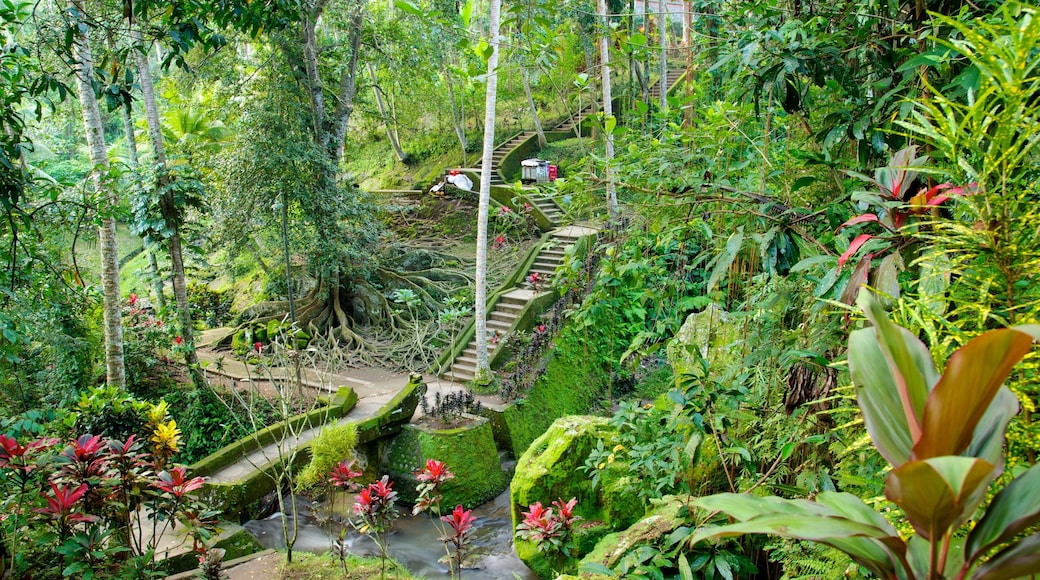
(663, 519)
(469, 452)
(551, 469)
(575, 378)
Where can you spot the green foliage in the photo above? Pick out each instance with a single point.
(943, 436)
(333, 444)
(208, 419)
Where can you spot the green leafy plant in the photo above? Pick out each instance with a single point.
(943, 436)
(333, 445)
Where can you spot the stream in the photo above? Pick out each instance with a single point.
(414, 542)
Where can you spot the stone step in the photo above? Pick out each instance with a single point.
(458, 377)
(545, 273)
(551, 266)
(511, 303)
(557, 253)
(465, 366)
(503, 315)
(501, 325)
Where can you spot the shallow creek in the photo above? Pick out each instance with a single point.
(414, 542)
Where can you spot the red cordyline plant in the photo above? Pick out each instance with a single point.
(550, 531)
(460, 521)
(375, 511)
(431, 477)
(944, 436)
(344, 474)
(899, 202)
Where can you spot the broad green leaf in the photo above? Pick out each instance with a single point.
(725, 259)
(918, 554)
(466, 13)
(1017, 561)
(987, 442)
(973, 375)
(909, 362)
(685, 573)
(878, 397)
(886, 277)
(1013, 510)
(871, 547)
(849, 506)
(408, 7)
(609, 124)
(939, 493)
(742, 506)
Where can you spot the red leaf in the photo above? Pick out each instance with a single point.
(855, 245)
(858, 279)
(867, 217)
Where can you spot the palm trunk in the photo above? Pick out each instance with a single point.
(613, 211)
(391, 132)
(84, 64)
(131, 149)
(458, 117)
(687, 22)
(483, 374)
(534, 110)
(173, 215)
(662, 27)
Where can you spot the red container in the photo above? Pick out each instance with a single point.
(553, 172)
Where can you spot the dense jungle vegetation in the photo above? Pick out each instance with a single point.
(169, 168)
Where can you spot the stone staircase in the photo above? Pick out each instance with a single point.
(547, 206)
(672, 78)
(499, 321)
(572, 124)
(548, 259)
(507, 310)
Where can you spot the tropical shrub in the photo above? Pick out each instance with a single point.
(335, 443)
(943, 436)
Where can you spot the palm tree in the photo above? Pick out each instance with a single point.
(483, 373)
(608, 112)
(115, 372)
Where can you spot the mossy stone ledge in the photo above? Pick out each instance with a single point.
(468, 451)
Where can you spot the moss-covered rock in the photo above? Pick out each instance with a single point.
(551, 469)
(235, 540)
(242, 341)
(667, 515)
(468, 451)
(712, 332)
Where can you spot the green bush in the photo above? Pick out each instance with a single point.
(333, 444)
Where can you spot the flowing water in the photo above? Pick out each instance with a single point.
(414, 542)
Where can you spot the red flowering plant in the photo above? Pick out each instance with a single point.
(344, 474)
(551, 531)
(902, 204)
(460, 522)
(375, 512)
(98, 499)
(431, 477)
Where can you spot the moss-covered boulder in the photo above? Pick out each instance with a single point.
(551, 469)
(468, 451)
(712, 332)
(666, 515)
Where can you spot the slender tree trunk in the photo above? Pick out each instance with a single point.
(687, 22)
(524, 76)
(172, 213)
(458, 116)
(483, 374)
(131, 149)
(662, 27)
(391, 132)
(608, 112)
(114, 370)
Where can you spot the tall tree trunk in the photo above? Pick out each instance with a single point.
(131, 149)
(524, 76)
(483, 373)
(172, 215)
(613, 211)
(115, 372)
(687, 22)
(391, 131)
(662, 28)
(458, 115)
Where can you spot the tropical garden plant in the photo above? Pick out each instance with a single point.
(943, 435)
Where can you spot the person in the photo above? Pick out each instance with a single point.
(459, 180)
